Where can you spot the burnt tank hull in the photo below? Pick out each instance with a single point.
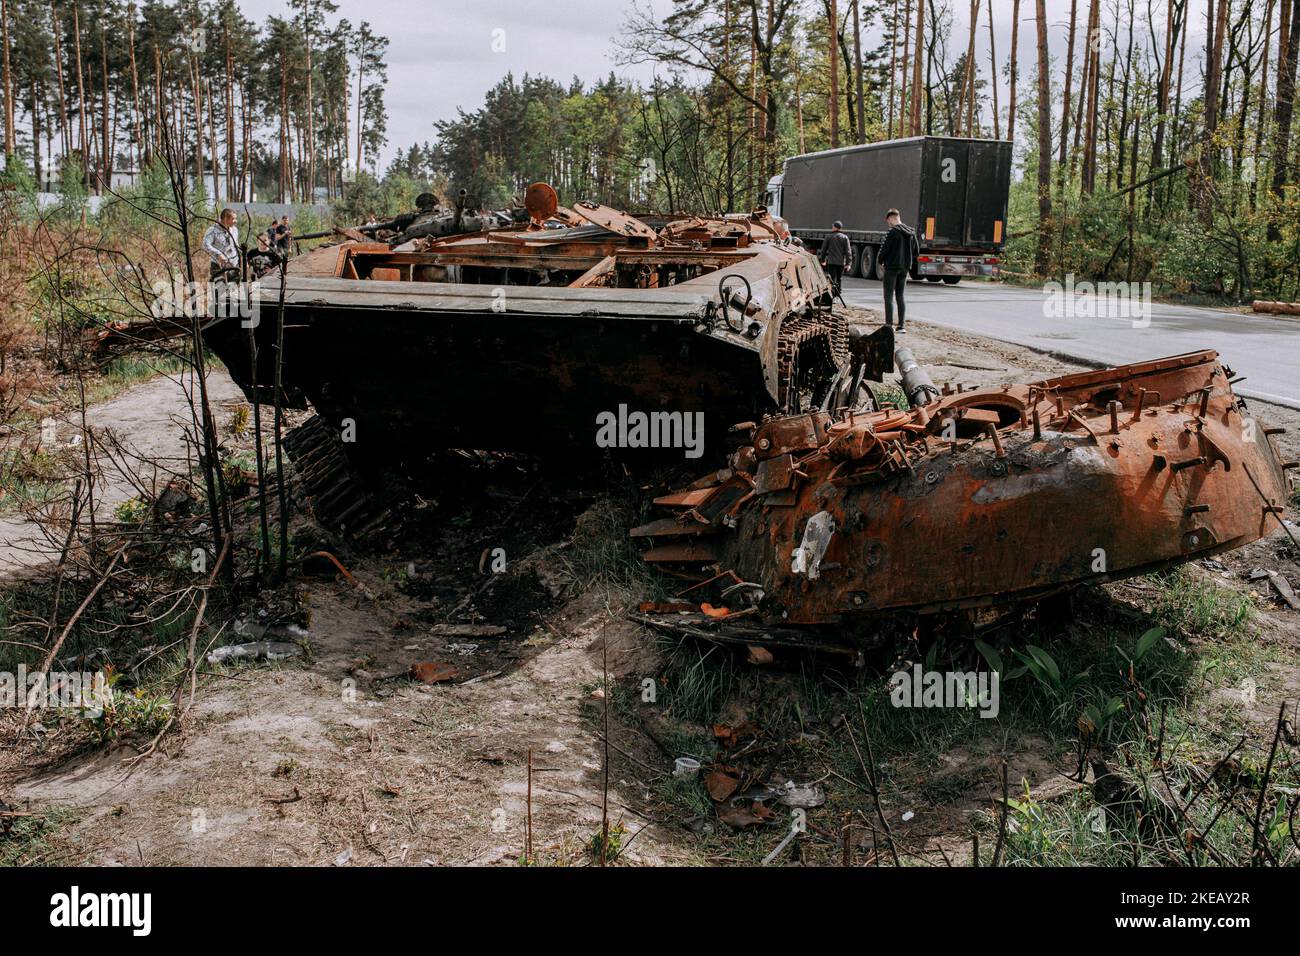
(521, 341)
(984, 498)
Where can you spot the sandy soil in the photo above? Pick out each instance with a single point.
(145, 430)
(284, 764)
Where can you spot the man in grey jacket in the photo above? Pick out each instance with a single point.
(221, 243)
(836, 254)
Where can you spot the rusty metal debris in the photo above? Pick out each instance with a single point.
(433, 672)
(977, 498)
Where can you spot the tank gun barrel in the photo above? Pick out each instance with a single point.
(917, 384)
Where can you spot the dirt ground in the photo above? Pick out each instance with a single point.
(336, 758)
(149, 420)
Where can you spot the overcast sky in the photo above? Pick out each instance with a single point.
(441, 57)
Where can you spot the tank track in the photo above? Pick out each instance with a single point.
(339, 499)
(819, 339)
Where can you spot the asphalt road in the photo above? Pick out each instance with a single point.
(1265, 350)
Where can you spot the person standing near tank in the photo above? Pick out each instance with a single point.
(836, 253)
(898, 254)
(221, 243)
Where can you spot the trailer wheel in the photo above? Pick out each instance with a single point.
(879, 270)
(867, 263)
(951, 280)
(933, 278)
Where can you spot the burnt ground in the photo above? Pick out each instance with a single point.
(339, 757)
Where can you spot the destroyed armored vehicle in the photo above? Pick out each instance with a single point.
(973, 499)
(517, 338)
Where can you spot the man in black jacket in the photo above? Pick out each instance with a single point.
(898, 254)
(836, 254)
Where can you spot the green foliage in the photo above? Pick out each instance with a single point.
(127, 714)
(31, 837)
(613, 841)
(1192, 605)
(132, 512)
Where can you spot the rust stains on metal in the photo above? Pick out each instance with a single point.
(985, 497)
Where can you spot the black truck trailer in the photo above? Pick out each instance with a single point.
(953, 192)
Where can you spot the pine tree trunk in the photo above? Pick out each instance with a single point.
(284, 134)
(904, 78)
(834, 55)
(1011, 96)
(893, 75)
(857, 69)
(230, 117)
(1283, 110)
(11, 142)
(967, 100)
(1089, 177)
(361, 73)
(993, 73)
(65, 131)
(1218, 26)
(81, 93)
(106, 134)
(311, 119)
(918, 55)
(135, 95)
(1069, 77)
(1044, 147)
(1162, 101)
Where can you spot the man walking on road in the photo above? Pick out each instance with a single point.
(898, 254)
(221, 243)
(836, 254)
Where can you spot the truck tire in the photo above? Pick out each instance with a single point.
(879, 267)
(867, 263)
(951, 280)
(933, 278)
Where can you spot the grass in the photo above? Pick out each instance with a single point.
(1122, 692)
(33, 839)
(604, 555)
(29, 478)
(130, 369)
(1191, 605)
(890, 393)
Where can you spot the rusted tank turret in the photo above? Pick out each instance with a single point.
(978, 498)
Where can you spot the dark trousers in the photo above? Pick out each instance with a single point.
(895, 282)
(836, 274)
